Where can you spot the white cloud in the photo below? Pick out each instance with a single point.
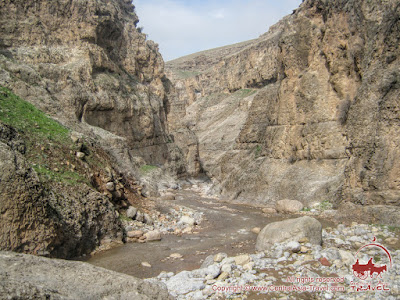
(182, 27)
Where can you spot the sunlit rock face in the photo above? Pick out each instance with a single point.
(87, 64)
(307, 111)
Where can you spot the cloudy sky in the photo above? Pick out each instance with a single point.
(182, 27)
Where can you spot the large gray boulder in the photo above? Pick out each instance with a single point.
(289, 230)
(30, 277)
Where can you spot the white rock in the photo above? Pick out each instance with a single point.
(187, 220)
(146, 264)
(110, 186)
(80, 155)
(293, 246)
(242, 259)
(182, 283)
(219, 257)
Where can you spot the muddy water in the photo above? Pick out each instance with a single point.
(226, 228)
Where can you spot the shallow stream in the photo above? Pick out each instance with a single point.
(226, 228)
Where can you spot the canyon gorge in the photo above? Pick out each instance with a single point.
(94, 122)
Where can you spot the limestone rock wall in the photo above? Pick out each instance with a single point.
(85, 63)
(316, 110)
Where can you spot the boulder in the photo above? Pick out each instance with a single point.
(154, 235)
(288, 206)
(131, 212)
(25, 276)
(290, 230)
(187, 220)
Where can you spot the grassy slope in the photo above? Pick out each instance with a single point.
(50, 149)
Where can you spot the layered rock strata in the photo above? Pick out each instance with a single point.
(307, 111)
(85, 63)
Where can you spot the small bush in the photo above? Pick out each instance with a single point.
(258, 151)
(147, 168)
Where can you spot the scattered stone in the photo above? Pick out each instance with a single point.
(131, 212)
(147, 219)
(226, 268)
(187, 230)
(139, 217)
(146, 264)
(324, 262)
(392, 240)
(182, 283)
(242, 259)
(269, 210)
(213, 271)
(110, 186)
(208, 261)
(248, 266)
(346, 257)
(219, 257)
(187, 220)
(134, 234)
(154, 235)
(288, 206)
(289, 230)
(168, 196)
(304, 240)
(256, 230)
(293, 246)
(223, 276)
(80, 155)
(176, 255)
(304, 249)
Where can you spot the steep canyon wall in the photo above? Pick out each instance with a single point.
(308, 111)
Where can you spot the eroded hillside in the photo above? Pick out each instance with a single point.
(308, 111)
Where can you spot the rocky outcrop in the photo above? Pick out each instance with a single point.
(44, 217)
(308, 111)
(85, 63)
(29, 277)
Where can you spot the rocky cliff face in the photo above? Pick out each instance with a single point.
(308, 111)
(85, 63)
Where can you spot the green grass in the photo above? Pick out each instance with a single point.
(124, 218)
(186, 74)
(64, 176)
(243, 93)
(29, 120)
(306, 209)
(147, 169)
(257, 151)
(325, 205)
(48, 142)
